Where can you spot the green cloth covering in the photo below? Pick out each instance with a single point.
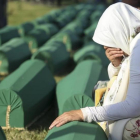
(49, 18)
(37, 35)
(40, 35)
(84, 13)
(50, 29)
(2, 135)
(27, 27)
(66, 17)
(93, 51)
(81, 81)
(70, 39)
(8, 33)
(28, 91)
(76, 102)
(101, 7)
(83, 18)
(41, 20)
(95, 16)
(75, 27)
(54, 54)
(80, 6)
(77, 130)
(55, 13)
(12, 54)
(89, 32)
(32, 43)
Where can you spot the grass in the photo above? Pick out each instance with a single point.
(19, 12)
(22, 11)
(13, 134)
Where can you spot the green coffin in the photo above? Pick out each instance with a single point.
(31, 41)
(37, 35)
(81, 81)
(54, 54)
(40, 35)
(89, 32)
(2, 135)
(96, 16)
(12, 54)
(8, 33)
(84, 17)
(75, 27)
(94, 52)
(55, 13)
(50, 29)
(101, 7)
(41, 21)
(25, 94)
(50, 17)
(77, 130)
(69, 38)
(27, 27)
(65, 18)
(80, 7)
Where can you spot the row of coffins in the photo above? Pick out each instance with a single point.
(30, 87)
(30, 90)
(91, 51)
(22, 30)
(69, 36)
(94, 18)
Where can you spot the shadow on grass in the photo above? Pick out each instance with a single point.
(67, 69)
(46, 119)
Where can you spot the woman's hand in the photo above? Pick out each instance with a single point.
(75, 115)
(115, 55)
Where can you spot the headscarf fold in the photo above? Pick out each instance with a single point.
(117, 27)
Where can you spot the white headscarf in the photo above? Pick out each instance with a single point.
(118, 26)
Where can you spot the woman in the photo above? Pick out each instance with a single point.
(117, 29)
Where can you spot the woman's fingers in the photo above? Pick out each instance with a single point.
(115, 52)
(112, 49)
(55, 122)
(62, 119)
(114, 56)
(75, 115)
(61, 123)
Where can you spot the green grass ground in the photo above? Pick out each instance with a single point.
(19, 12)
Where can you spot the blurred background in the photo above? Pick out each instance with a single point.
(14, 12)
